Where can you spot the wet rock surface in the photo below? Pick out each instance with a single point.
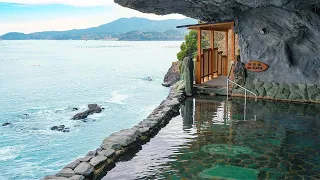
(61, 128)
(121, 144)
(84, 169)
(92, 108)
(239, 73)
(172, 76)
(188, 74)
(7, 124)
(66, 172)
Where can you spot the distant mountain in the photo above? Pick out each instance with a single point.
(151, 36)
(115, 29)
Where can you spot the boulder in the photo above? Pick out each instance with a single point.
(97, 160)
(120, 139)
(7, 124)
(73, 164)
(77, 177)
(85, 159)
(84, 169)
(66, 172)
(55, 178)
(188, 75)
(91, 153)
(172, 76)
(92, 108)
(61, 128)
(106, 152)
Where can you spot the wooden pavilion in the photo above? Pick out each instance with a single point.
(211, 62)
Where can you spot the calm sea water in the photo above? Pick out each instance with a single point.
(47, 79)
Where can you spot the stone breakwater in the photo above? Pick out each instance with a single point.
(97, 163)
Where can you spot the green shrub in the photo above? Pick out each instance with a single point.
(189, 47)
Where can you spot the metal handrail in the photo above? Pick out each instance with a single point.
(245, 94)
(245, 89)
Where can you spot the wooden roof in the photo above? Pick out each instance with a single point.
(207, 26)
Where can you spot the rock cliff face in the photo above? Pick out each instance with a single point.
(213, 10)
(281, 33)
(288, 41)
(172, 76)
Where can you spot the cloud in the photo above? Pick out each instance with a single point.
(80, 3)
(52, 21)
(29, 25)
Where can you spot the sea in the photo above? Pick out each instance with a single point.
(42, 82)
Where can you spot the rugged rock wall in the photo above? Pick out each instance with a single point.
(213, 10)
(288, 41)
(172, 76)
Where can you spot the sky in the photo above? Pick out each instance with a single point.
(44, 15)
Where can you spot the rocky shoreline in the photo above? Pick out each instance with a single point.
(97, 163)
(173, 75)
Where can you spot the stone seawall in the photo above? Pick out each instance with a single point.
(269, 90)
(281, 91)
(97, 163)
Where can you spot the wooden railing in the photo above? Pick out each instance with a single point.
(212, 64)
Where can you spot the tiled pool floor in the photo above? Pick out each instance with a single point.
(278, 140)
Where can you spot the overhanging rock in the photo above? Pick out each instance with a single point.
(212, 10)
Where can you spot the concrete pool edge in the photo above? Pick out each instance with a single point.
(97, 163)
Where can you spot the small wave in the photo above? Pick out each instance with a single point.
(117, 98)
(9, 152)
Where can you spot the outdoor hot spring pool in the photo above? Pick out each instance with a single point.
(277, 140)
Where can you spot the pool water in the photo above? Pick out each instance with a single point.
(277, 140)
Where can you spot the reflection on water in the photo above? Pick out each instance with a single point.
(278, 140)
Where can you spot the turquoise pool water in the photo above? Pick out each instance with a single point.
(277, 140)
(46, 79)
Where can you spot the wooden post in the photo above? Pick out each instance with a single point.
(226, 65)
(233, 50)
(233, 46)
(198, 74)
(212, 59)
(226, 43)
(212, 39)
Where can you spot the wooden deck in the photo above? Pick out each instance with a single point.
(217, 86)
(220, 81)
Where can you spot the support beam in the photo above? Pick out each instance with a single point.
(226, 43)
(212, 39)
(233, 45)
(198, 72)
(233, 50)
(212, 57)
(226, 62)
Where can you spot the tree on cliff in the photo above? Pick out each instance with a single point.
(189, 47)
